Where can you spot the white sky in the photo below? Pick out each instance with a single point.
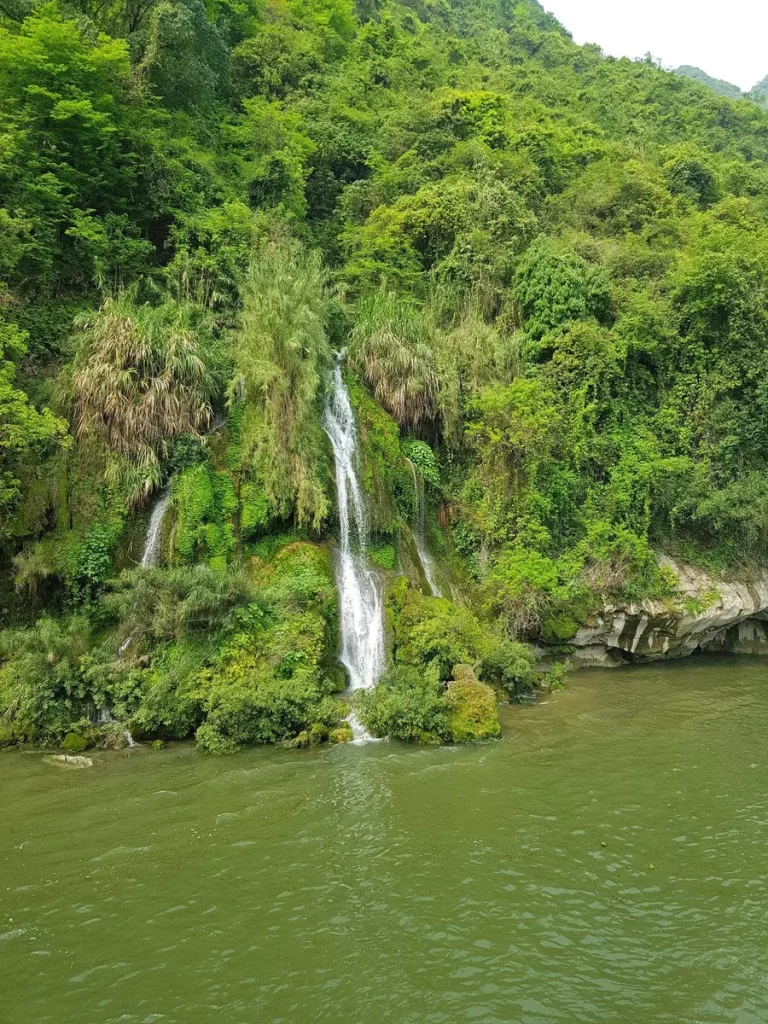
(727, 40)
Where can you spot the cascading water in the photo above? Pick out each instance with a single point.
(360, 602)
(154, 538)
(420, 534)
(150, 556)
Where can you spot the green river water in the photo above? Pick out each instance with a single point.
(606, 861)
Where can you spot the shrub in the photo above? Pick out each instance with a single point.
(389, 347)
(509, 664)
(406, 704)
(433, 633)
(42, 686)
(383, 555)
(145, 374)
(282, 359)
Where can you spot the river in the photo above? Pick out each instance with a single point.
(607, 861)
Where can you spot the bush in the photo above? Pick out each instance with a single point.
(383, 555)
(409, 704)
(42, 686)
(406, 704)
(433, 633)
(509, 664)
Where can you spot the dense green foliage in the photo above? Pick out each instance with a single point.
(548, 271)
(238, 657)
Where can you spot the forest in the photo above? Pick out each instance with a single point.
(545, 270)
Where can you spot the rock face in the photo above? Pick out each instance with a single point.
(707, 614)
(747, 637)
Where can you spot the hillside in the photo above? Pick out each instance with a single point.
(733, 92)
(548, 271)
(758, 94)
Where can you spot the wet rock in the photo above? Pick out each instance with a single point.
(115, 737)
(595, 656)
(69, 761)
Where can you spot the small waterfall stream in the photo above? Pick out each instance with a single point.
(150, 556)
(420, 533)
(360, 600)
(154, 537)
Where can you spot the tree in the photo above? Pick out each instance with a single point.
(75, 163)
(555, 287)
(27, 437)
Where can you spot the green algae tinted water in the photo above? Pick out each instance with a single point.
(606, 861)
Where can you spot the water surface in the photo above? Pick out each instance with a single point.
(607, 861)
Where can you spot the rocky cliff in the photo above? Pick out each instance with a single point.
(706, 614)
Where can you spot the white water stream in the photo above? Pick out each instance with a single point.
(420, 534)
(154, 537)
(360, 600)
(150, 556)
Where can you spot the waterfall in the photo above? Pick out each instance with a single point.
(154, 537)
(420, 533)
(153, 541)
(151, 554)
(360, 601)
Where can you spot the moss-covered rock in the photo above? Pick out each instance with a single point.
(342, 734)
(74, 743)
(427, 739)
(386, 475)
(299, 742)
(336, 675)
(318, 733)
(472, 708)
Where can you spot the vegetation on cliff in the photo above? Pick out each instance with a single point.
(549, 272)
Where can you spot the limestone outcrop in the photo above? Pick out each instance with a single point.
(707, 614)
